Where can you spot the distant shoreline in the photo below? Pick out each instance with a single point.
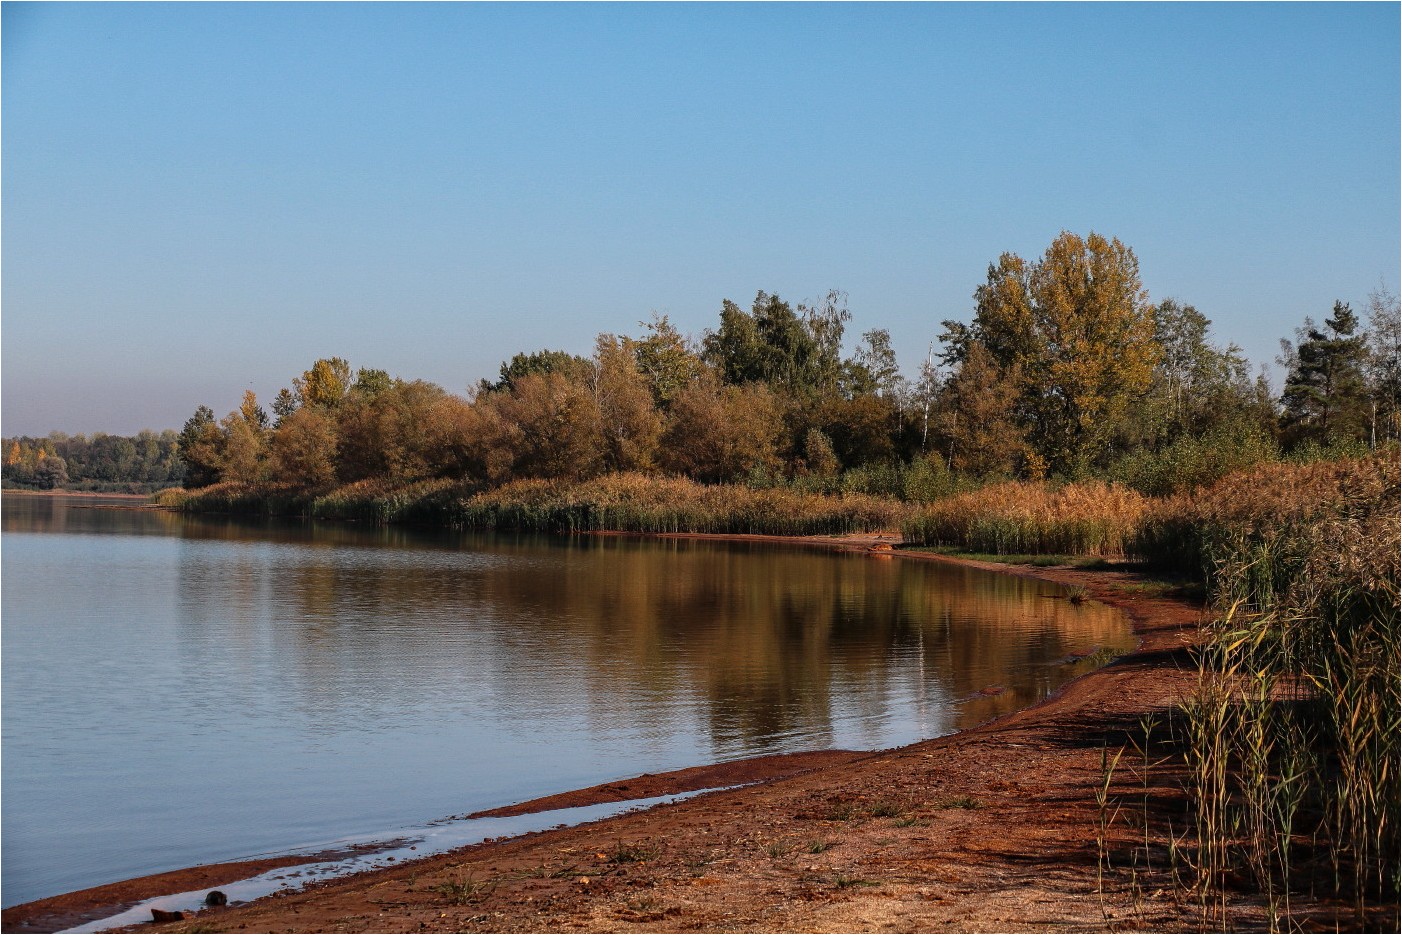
(74, 493)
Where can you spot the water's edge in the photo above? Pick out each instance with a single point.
(372, 852)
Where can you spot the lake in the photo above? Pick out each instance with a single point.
(180, 690)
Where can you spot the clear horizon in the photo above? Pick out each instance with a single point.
(200, 199)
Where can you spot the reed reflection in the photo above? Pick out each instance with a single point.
(762, 648)
(759, 647)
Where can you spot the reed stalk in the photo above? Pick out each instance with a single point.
(1293, 732)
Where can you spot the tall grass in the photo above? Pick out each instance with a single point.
(1018, 517)
(229, 497)
(615, 502)
(1268, 512)
(1293, 733)
(639, 503)
(378, 502)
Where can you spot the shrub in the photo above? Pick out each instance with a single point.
(1193, 461)
(928, 479)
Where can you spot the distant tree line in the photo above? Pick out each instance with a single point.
(1066, 370)
(142, 462)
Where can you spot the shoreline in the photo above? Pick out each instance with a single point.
(1150, 679)
(74, 493)
(80, 907)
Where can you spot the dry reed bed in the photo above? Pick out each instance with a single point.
(640, 503)
(1030, 518)
(1270, 507)
(1293, 734)
(616, 502)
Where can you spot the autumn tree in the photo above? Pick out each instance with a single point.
(453, 439)
(819, 458)
(629, 423)
(243, 452)
(20, 472)
(666, 359)
(303, 449)
(245, 433)
(1076, 330)
(545, 425)
(383, 428)
(860, 427)
(722, 433)
(979, 416)
(325, 384)
(19, 463)
(872, 386)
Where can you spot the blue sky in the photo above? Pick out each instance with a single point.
(204, 198)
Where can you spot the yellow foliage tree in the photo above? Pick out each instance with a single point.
(453, 438)
(628, 418)
(545, 425)
(325, 385)
(722, 433)
(1076, 333)
(245, 437)
(303, 449)
(386, 432)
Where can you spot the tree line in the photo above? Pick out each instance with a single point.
(1067, 369)
(145, 461)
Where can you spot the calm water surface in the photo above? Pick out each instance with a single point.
(182, 690)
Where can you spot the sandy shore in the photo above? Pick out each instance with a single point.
(993, 829)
